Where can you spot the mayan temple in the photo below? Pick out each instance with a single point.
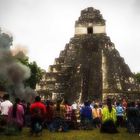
(89, 67)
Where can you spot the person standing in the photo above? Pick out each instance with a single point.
(16, 115)
(96, 116)
(59, 124)
(109, 118)
(38, 112)
(50, 113)
(124, 104)
(5, 105)
(86, 116)
(120, 115)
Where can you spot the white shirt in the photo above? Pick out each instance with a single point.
(74, 106)
(5, 105)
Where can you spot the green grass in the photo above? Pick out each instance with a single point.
(74, 135)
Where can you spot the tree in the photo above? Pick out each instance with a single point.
(36, 72)
(36, 75)
(137, 76)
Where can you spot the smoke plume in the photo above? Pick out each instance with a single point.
(12, 72)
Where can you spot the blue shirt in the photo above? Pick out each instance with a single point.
(119, 111)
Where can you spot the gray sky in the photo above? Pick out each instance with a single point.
(45, 26)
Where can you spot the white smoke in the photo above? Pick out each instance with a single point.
(18, 49)
(13, 72)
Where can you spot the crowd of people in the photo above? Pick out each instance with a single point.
(61, 116)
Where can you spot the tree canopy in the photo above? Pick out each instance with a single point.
(36, 73)
(137, 76)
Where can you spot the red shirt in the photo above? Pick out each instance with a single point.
(40, 106)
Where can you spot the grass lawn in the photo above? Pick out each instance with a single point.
(74, 135)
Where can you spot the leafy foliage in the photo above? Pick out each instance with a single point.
(36, 72)
(36, 75)
(137, 76)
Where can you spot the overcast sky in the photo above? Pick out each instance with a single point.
(45, 26)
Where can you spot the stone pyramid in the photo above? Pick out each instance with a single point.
(90, 67)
